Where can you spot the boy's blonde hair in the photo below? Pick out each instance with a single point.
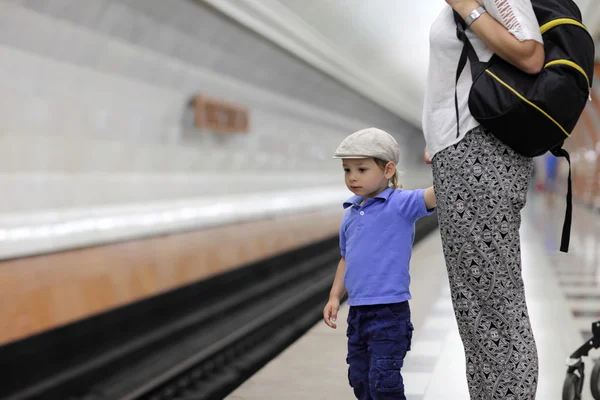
(394, 182)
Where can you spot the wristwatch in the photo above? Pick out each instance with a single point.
(476, 13)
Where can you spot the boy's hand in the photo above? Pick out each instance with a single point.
(330, 313)
(430, 200)
(426, 156)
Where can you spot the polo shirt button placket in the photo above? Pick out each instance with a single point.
(360, 224)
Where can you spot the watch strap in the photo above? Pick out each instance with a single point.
(476, 13)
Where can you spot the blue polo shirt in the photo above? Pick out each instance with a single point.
(376, 240)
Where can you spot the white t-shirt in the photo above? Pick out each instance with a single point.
(439, 114)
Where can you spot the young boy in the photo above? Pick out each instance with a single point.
(376, 237)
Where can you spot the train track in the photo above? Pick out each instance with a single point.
(214, 371)
(220, 339)
(241, 335)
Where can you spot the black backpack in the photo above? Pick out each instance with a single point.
(534, 114)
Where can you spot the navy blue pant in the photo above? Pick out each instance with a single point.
(379, 337)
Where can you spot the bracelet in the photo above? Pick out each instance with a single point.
(476, 13)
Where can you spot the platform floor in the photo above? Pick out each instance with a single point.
(563, 295)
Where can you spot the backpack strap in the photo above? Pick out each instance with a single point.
(467, 52)
(566, 232)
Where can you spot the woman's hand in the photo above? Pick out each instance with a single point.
(330, 312)
(426, 157)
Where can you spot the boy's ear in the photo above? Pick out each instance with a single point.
(390, 168)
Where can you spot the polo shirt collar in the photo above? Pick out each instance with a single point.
(356, 200)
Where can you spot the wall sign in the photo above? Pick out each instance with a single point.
(220, 116)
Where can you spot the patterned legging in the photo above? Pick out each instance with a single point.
(481, 187)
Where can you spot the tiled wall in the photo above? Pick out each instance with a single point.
(95, 108)
(104, 89)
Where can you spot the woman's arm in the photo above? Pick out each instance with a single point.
(527, 55)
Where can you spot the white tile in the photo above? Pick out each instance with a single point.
(449, 377)
(440, 323)
(415, 383)
(444, 303)
(427, 348)
(584, 305)
(582, 324)
(589, 291)
(568, 280)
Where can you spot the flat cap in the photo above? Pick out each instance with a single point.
(367, 143)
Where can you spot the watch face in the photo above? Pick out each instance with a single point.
(474, 15)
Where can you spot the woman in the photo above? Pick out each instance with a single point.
(480, 185)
